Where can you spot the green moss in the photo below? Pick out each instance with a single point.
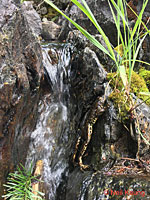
(137, 83)
(52, 14)
(122, 103)
(119, 97)
(146, 75)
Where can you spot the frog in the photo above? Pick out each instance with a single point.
(97, 109)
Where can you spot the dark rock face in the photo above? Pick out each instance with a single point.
(144, 125)
(89, 186)
(88, 78)
(110, 140)
(20, 75)
(87, 82)
(61, 3)
(75, 36)
(102, 14)
(6, 11)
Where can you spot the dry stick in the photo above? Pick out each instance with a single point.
(131, 159)
(38, 171)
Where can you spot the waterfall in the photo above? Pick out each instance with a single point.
(49, 140)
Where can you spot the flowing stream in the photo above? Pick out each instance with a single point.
(51, 135)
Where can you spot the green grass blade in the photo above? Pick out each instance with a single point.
(120, 13)
(123, 75)
(83, 31)
(117, 23)
(122, 17)
(139, 19)
(94, 21)
(145, 93)
(125, 28)
(143, 62)
(135, 56)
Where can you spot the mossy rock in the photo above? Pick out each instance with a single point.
(146, 75)
(121, 102)
(119, 97)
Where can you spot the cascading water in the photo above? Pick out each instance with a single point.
(49, 141)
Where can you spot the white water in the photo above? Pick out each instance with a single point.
(49, 141)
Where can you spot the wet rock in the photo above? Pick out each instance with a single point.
(103, 15)
(32, 17)
(6, 11)
(75, 36)
(89, 186)
(20, 75)
(143, 117)
(43, 11)
(87, 82)
(88, 77)
(50, 30)
(51, 141)
(61, 3)
(111, 140)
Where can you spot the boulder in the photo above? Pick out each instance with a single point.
(50, 30)
(20, 76)
(103, 15)
(32, 17)
(75, 36)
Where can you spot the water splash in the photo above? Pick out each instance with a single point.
(56, 58)
(49, 140)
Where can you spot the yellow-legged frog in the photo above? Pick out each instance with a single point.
(97, 109)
